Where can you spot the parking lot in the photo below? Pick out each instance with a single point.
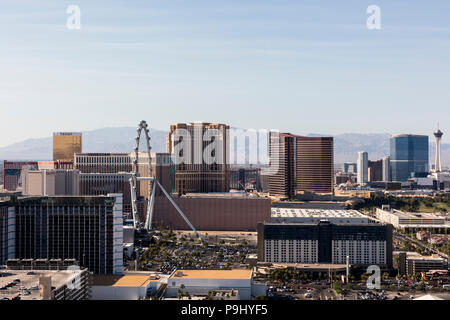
(302, 291)
(182, 250)
(312, 289)
(171, 250)
(23, 285)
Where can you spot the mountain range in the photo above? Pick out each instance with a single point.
(121, 139)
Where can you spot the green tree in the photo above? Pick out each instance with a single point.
(337, 287)
(364, 276)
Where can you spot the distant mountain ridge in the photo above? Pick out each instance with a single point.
(121, 139)
(105, 140)
(347, 145)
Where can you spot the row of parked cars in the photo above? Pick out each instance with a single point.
(16, 282)
(371, 295)
(11, 284)
(24, 290)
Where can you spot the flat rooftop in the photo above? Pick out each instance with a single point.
(212, 274)
(131, 280)
(429, 226)
(416, 215)
(310, 266)
(67, 134)
(315, 213)
(408, 135)
(118, 154)
(417, 256)
(100, 154)
(426, 258)
(239, 195)
(30, 278)
(108, 174)
(63, 200)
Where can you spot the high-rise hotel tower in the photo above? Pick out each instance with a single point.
(300, 164)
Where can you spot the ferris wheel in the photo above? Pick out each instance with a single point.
(152, 183)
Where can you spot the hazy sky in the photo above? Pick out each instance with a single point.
(299, 66)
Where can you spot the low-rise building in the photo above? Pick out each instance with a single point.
(129, 286)
(197, 284)
(344, 178)
(420, 264)
(438, 240)
(202, 282)
(410, 220)
(360, 193)
(411, 263)
(422, 235)
(44, 284)
(300, 215)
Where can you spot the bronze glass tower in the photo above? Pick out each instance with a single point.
(315, 164)
(304, 164)
(282, 152)
(65, 145)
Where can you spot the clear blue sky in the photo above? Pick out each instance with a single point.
(299, 66)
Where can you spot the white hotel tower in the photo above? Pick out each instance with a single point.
(438, 134)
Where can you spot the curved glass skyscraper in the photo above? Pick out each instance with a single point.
(409, 156)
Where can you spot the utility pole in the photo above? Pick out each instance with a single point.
(347, 260)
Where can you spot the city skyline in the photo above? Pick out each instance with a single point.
(50, 133)
(248, 65)
(244, 151)
(120, 139)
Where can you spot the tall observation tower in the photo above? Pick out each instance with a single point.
(438, 134)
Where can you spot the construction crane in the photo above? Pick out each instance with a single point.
(152, 184)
